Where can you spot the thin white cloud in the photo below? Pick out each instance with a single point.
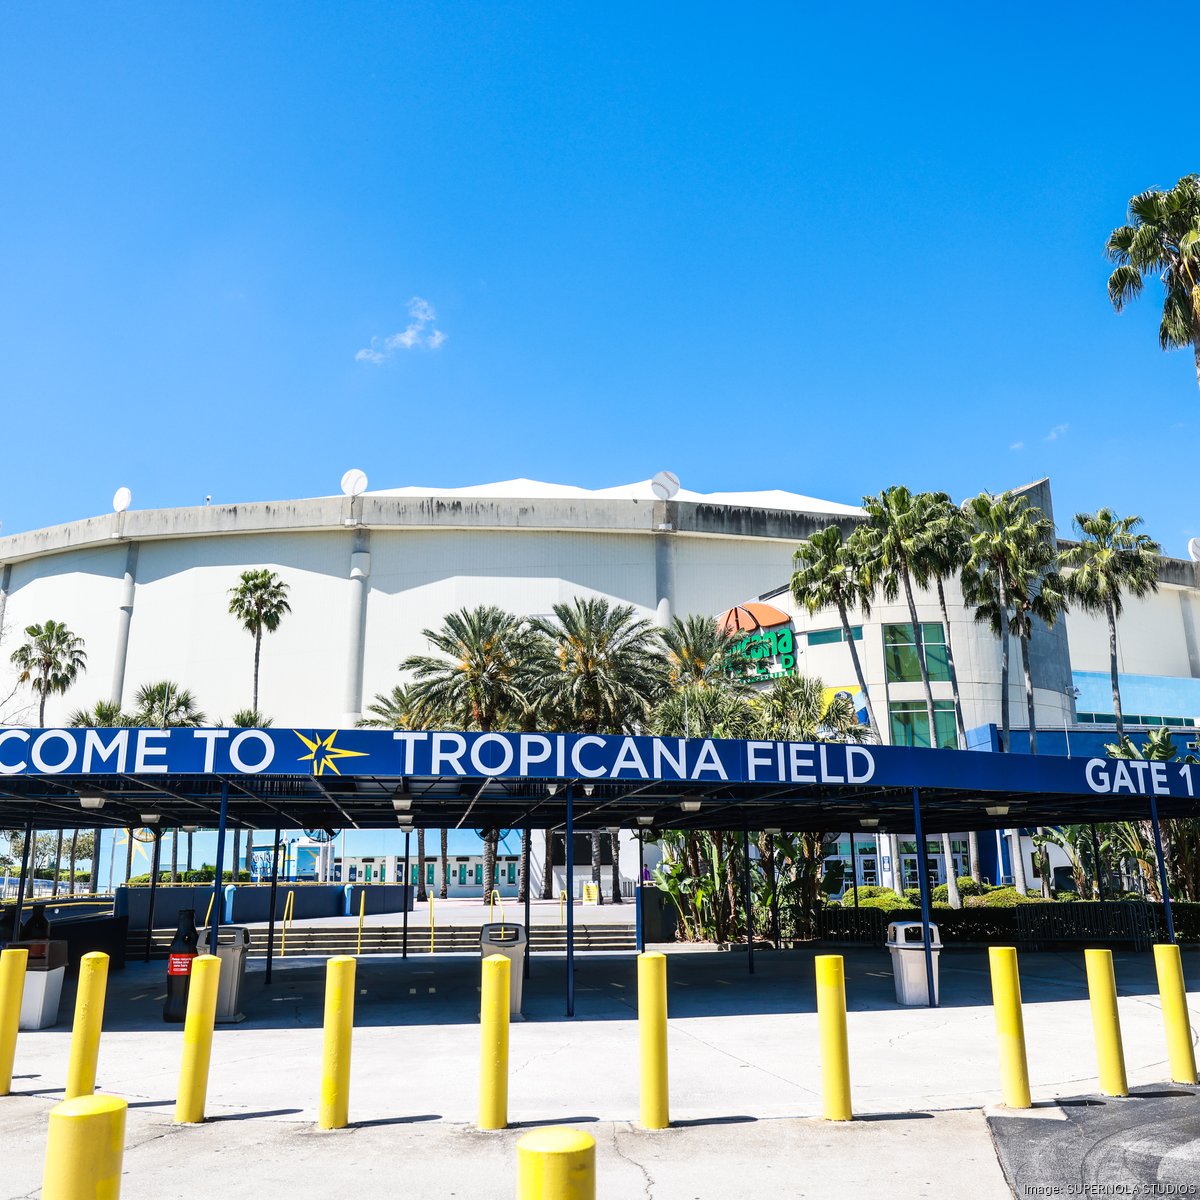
(419, 334)
(1017, 446)
(1056, 433)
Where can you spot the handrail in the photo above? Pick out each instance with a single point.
(362, 911)
(494, 899)
(562, 896)
(289, 906)
(430, 898)
(208, 910)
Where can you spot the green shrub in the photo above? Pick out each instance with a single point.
(889, 902)
(866, 891)
(1001, 897)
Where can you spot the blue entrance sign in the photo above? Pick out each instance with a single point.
(702, 761)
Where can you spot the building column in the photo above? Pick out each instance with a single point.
(664, 562)
(360, 573)
(124, 618)
(5, 584)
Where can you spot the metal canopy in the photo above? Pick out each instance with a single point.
(335, 779)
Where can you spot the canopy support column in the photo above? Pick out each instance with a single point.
(1162, 869)
(570, 881)
(525, 840)
(406, 894)
(641, 929)
(153, 890)
(749, 901)
(271, 916)
(923, 880)
(27, 862)
(218, 880)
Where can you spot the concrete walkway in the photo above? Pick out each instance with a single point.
(743, 1055)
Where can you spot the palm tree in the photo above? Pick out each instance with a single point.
(422, 894)
(615, 878)
(696, 648)
(1163, 239)
(547, 865)
(104, 714)
(831, 573)
(391, 710)
(444, 890)
(166, 705)
(723, 712)
(260, 602)
(476, 680)
(49, 660)
(57, 863)
(795, 709)
(900, 538)
(250, 718)
(1110, 560)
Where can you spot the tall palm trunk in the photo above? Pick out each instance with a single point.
(615, 891)
(71, 862)
(174, 855)
(858, 674)
(257, 656)
(422, 894)
(548, 867)
(233, 863)
(57, 864)
(489, 864)
(1029, 707)
(523, 871)
(188, 864)
(444, 891)
(919, 639)
(1112, 668)
(595, 842)
(1014, 835)
(972, 836)
(128, 853)
(96, 860)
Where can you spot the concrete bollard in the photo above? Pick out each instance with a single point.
(339, 1031)
(835, 1047)
(89, 1017)
(1176, 1022)
(493, 1043)
(1106, 1023)
(12, 987)
(85, 1149)
(652, 1039)
(197, 1039)
(556, 1164)
(1010, 1026)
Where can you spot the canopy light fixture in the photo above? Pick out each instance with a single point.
(189, 828)
(91, 800)
(690, 805)
(401, 803)
(552, 789)
(614, 830)
(645, 822)
(588, 788)
(869, 822)
(150, 818)
(997, 810)
(404, 820)
(773, 831)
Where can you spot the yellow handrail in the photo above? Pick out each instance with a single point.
(362, 910)
(562, 896)
(430, 922)
(208, 910)
(288, 911)
(494, 899)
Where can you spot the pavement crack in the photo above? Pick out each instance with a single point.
(647, 1178)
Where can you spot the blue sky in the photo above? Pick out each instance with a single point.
(767, 247)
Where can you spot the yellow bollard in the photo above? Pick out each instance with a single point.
(835, 1048)
(12, 987)
(1106, 1023)
(197, 1039)
(493, 1043)
(1176, 1022)
(84, 1149)
(556, 1164)
(1010, 1026)
(339, 1030)
(89, 1016)
(652, 1039)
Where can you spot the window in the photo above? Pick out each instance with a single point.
(1087, 718)
(910, 723)
(512, 872)
(823, 637)
(479, 872)
(900, 653)
(429, 873)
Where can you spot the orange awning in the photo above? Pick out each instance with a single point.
(746, 618)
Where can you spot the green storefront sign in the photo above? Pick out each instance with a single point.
(766, 653)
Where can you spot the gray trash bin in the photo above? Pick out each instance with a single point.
(906, 942)
(44, 971)
(503, 937)
(233, 944)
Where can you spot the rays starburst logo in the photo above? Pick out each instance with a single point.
(323, 753)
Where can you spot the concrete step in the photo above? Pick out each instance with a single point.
(376, 939)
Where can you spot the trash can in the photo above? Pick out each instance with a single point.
(233, 944)
(44, 972)
(502, 937)
(906, 941)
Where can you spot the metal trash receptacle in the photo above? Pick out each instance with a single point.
(233, 944)
(906, 943)
(45, 970)
(504, 937)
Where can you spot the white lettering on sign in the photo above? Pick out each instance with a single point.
(506, 754)
(94, 748)
(800, 767)
(44, 739)
(410, 740)
(758, 754)
(676, 761)
(209, 738)
(827, 776)
(251, 735)
(867, 760)
(1097, 780)
(442, 756)
(577, 766)
(13, 768)
(530, 742)
(630, 759)
(146, 750)
(708, 760)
